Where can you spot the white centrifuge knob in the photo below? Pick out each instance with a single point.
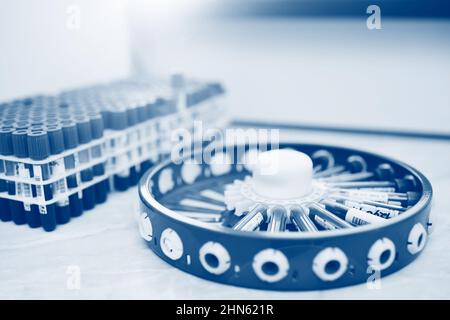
(282, 174)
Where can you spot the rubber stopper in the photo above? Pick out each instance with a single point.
(84, 130)
(118, 120)
(38, 145)
(20, 143)
(56, 139)
(97, 126)
(70, 134)
(6, 147)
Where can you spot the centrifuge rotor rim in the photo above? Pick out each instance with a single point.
(423, 203)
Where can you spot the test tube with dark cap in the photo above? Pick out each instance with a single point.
(384, 213)
(22, 210)
(132, 119)
(354, 169)
(6, 149)
(253, 219)
(60, 188)
(97, 128)
(351, 215)
(119, 121)
(70, 136)
(39, 149)
(5, 211)
(142, 117)
(151, 112)
(301, 220)
(85, 136)
(17, 211)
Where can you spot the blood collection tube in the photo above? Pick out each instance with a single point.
(6, 149)
(355, 169)
(39, 149)
(60, 188)
(23, 210)
(132, 119)
(277, 219)
(70, 136)
(14, 188)
(301, 220)
(5, 211)
(326, 219)
(101, 188)
(253, 219)
(377, 211)
(351, 215)
(85, 136)
(118, 120)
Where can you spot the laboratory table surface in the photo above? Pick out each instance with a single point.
(113, 261)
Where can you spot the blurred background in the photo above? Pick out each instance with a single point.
(314, 63)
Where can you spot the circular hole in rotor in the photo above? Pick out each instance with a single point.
(212, 260)
(270, 268)
(332, 266)
(385, 256)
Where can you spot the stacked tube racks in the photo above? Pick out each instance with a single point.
(61, 155)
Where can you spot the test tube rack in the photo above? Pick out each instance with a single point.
(61, 155)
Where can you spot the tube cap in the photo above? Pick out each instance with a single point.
(97, 126)
(84, 129)
(70, 134)
(20, 143)
(55, 138)
(132, 116)
(38, 145)
(118, 120)
(6, 147)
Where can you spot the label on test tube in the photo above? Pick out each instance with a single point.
(358, 217)
(26, 188)
(37, 170)
(252, 220)
(60, 186)
(253, 223)
(376, 211)
(351, 215)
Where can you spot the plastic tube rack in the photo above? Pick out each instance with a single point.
(61, 155)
